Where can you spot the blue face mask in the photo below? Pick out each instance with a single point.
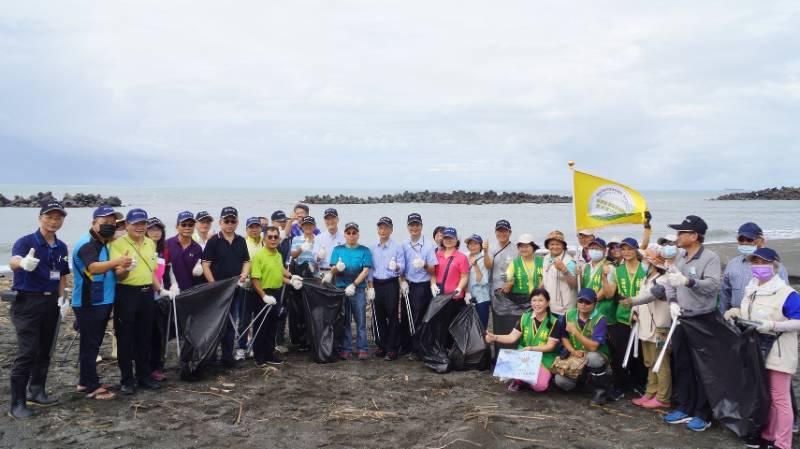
(669, 251)
(596, 254)
(746, 249)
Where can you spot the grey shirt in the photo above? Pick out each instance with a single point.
(501, 256)
(699, 296)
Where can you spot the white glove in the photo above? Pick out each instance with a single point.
(29, 262)
(350, 290)
(134, 263)
(674, 310)
(468, 297)
(197, 270)
(174, 291)
(269, 300)
(306, 246)
(340, 266)
(392, 265)
(418, 263)
(730, 314)
(370, 294)
(321, 253)
(327, 278)
(164, 292)
(766, 326)
(404, 287)
(297, 282)
(63, 306)
(435, 290)
(677, 279)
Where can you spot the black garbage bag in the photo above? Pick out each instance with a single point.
(293, 304)
(202, 315)
(433, 335)
(506, 311)
(740, 402)
(324, 309)
(469, 350)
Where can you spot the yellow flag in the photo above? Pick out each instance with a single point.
(601, 202)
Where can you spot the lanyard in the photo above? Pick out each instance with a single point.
(39, 242)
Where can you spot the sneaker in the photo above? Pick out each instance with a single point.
(677, 417)
(754, 441)
(158, 376)
(282, 349)
(615, 394)
(514, 386)
(274, 360)
(150, 384)
(698, 424)
(655, 403)
(345, 355)
(363, 355)
(240, 353)
(640, 401)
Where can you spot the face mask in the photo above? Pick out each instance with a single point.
(669, 251)
(595, 254)
(107, 231)
(746, 249)
(762, 272)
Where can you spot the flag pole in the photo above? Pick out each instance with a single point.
(574, 204)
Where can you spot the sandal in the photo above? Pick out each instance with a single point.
(101, 394)
(82, 389)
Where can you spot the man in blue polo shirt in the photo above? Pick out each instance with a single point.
(93, 295)
(415, 284)
(40, 265)
(388, 262)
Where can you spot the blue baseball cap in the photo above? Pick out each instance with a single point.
(502, 224)
(474, 238)
(106, 211)
(330, 212)
(253, 221)
(414, 218)
(768, 254)
(155, 221)
(597, 241)
(136, 216)
(202, 215)
(229, 211)
(751, 231)
(450, 232)
(184, 216)
(385, 221)
(587, 293)
(630, 241)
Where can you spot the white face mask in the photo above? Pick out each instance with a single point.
(596, 254)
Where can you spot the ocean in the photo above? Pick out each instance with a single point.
(779, 219)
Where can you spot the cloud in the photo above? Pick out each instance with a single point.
(404, 95)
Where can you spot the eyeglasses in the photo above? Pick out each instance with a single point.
(230, 221)
(273, 237)
(187, 224)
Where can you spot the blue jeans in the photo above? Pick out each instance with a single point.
(483, 312)
(355, 306)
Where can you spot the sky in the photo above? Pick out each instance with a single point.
(400, 94)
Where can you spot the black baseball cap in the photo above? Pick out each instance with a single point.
(279, 215)
(691, 223)
(308, 220)
(229, 212)
(750, 230)
(330, 212)
(203, 215)
(502, 224)
(155, 221)
(51, 206)
(414, 218)
(351, 225)
(185, 216)
(385, 221)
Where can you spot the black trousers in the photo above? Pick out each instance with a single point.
(35, 317)
(419, 295)
(92, 321)
(158, 342)
(689, 390)
(387, 302)
(133, 326)
(264, 344)
(635, 375)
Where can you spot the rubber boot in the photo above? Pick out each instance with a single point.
(601, 378)
(19, 409)
(38, 395)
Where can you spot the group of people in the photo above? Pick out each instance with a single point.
(584, 305)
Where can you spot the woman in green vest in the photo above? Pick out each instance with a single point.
(593, 275)
(525, 273)
(623, 282)
(537, 330)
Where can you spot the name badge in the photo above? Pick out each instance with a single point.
(693, 271)
(55, 275)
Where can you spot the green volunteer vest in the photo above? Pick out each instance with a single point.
(627, 288)
(588, 328)
(607, 307)
(531, 336)
(521, 286)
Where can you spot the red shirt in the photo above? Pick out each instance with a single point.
(459, 266)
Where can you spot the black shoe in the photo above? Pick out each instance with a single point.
(150, 384)
(615, 394)
(599, 397)
(753, 441)
(274, 360)
(229, 363)
(128, 389)
(37, 395)
(390, 356)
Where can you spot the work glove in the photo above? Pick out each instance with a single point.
(435, 290)
(658, 291)
(327, 278)
(133, 266)
(306, 246)
(392, 265)
(63, 306)
(174, 291)
(674, 310)
(165, 293)
(730, 314)
(29, 262)
(297, 282)
(321, 253)
(350, 290)
(340, 266)
(370, 294)
(269, 300)
(418, 263)
(197, 270)
(404, 287)
(766, 326)
(677, 279)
